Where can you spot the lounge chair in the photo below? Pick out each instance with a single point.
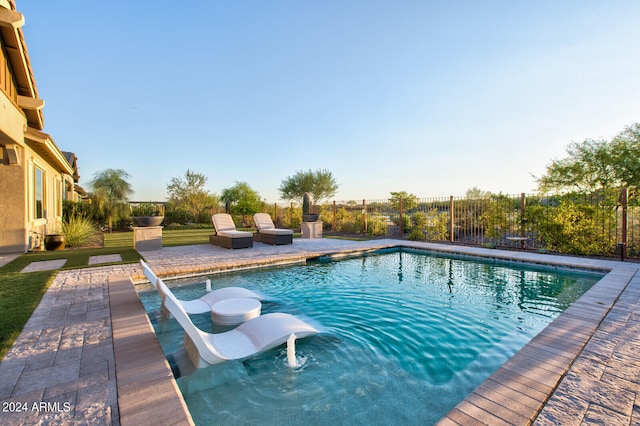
(204, 303)
(254, 336)
(268, 233)
(227, 235)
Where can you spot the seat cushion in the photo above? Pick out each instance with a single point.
(263, 221)
(223, 222)
(277, 231)
(235, 234)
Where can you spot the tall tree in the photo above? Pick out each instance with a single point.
(110, 193)
(243, 200)
(319, 184)
(594, 165)
(626, 151)
(188, 197)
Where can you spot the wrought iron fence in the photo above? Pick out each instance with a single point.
(594, 224)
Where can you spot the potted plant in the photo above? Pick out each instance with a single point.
(307, 216)
(54, 242)
(147, 214)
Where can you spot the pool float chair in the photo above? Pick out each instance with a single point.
(252, 337)
(268, 233)
(227, 235)
(204, 303)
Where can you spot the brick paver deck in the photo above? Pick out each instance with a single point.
(75, 361)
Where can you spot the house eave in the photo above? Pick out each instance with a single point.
(44, 145)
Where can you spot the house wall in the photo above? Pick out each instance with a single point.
(28, 156)
(22, 223)
(13, 232)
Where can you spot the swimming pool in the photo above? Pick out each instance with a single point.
(404, 337)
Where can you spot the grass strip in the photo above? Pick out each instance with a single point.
(20, 294)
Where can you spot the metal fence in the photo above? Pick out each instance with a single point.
(596, 224)
(602, 224)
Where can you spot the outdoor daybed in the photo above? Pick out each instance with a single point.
(268, 233)
(226, 234)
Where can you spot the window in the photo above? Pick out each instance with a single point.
(39, 194)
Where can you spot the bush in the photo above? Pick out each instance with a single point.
(376, 225)
(78, 230)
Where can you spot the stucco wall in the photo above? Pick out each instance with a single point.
(13, 235)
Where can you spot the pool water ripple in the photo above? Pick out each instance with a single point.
(404, 337)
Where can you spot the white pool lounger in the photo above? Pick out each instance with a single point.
(204, 303)
(254, 336)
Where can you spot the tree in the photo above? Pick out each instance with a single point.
(476, 193)
(188, 198)
(409, 201)
(626, 152)
(597, 165)
(110, 193)
(243, 200)
(319, 184)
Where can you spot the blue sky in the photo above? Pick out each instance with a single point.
(427, 97)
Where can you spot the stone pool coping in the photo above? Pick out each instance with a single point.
(581, 367)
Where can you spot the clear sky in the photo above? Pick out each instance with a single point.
(429, 97)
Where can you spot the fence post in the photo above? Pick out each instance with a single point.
(452, 238)
(364, 216)
(275, 212)
(523, 206)
(624, 196)
(400, 217)
(335, 213)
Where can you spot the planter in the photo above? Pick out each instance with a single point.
(54, 242)
(310, 217)
(144, 221)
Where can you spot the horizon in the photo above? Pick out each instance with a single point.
(428, 98)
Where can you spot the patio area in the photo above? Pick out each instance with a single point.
(88, 355)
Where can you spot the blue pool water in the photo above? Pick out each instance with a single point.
(404, 337)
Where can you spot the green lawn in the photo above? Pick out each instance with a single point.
(20, 293)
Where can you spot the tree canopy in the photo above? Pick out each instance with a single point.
(110, 193)
(319, 184)
(188, 197)
(242, 199)
(594, 165)
(409, 201)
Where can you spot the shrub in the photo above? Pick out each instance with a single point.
(292, 217)
(146, 209)
(78, 230)
(376, 225)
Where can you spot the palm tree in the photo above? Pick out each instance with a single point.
(110, 192)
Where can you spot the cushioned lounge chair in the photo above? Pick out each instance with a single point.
(268, 233)
(227, 235)
(254, 336)
(204, 303)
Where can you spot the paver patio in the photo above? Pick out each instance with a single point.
(78, 352)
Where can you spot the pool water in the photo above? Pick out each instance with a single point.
(404, 337)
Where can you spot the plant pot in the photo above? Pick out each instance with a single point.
(54, 242)
(310, 217)
(144, 221)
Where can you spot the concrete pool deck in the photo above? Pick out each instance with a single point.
(88, 354)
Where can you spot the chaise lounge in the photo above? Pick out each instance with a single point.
(268, 233)
(226, 234)
(204, 303)
(254, 336)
